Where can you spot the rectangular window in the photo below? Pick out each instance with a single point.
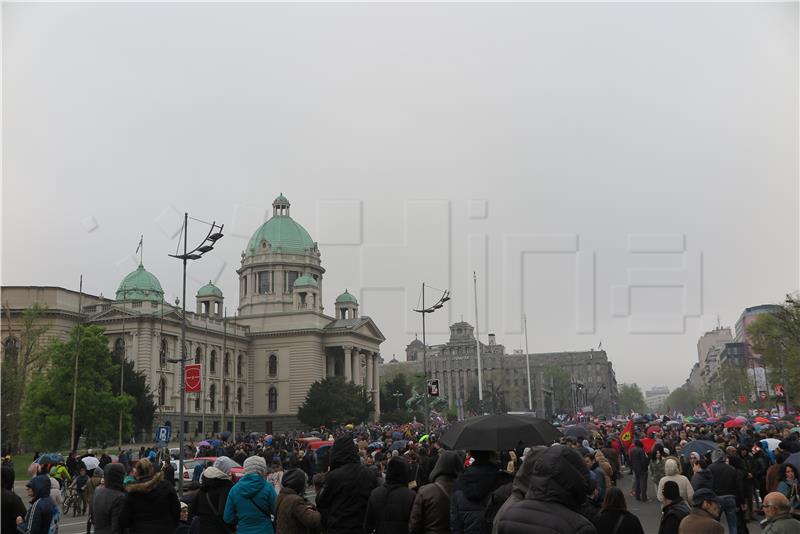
(291, 277)
(264, 282)
(244, 285)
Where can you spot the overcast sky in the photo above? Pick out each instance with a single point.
(621, 173)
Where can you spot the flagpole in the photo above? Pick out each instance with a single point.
(528, 363)
(478, 343)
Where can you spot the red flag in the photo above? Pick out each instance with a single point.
(626, 438)
(192, 380)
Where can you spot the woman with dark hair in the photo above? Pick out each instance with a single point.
(614, 517)
(789, 485)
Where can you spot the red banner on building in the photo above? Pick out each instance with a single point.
(193, 383)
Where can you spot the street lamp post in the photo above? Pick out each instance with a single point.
(397, 396)
(214, 234)
(423, 310)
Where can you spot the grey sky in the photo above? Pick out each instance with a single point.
(399, 131)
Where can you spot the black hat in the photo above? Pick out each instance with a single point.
(704, 494)
(671, 490)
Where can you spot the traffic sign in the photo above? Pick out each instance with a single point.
(193, 384)
(433, 387)
(162, 435)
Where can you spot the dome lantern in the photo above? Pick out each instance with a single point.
(346, 306)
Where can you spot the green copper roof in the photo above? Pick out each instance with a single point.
(305, 280)
(140, 285)
(281, 199)
(209, 290)
(283, 235)
(346, 297)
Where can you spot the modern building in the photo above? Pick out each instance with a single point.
(257, 367)
(655, 397)
(709, 340)
(753, 362)
(455, 363)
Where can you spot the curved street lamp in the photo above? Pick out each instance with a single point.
(439, 303)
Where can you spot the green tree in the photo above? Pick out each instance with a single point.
(47, 414)
(776, 336)
(395, 409)
(631, 398)
(333, 400)
(558, 380)
(473, 404)
(684, 399)
(22, 357)
(733, 382)
(135, 385)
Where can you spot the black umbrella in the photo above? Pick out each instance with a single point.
(499, 432)
(577, 431)
(700, 446)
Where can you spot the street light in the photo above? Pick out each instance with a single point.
(397, 396)
(439, 303)
(214, 234)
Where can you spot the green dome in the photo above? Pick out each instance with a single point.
(280, 199)
(209, 290)
(346, 297)
(283, 235)
(140, 285)
(305, 280)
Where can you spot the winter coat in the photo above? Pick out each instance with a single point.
(430, 513)
(293, 515)
(672, 515)
(521, 483)
(700, 522)
(108, 501)
(249, 505)
(389, 509)
(672, 473)
(726, 480)
(703, 479)
(11, 506)
(343, 499)
(151, 507)
(781, 524)
(558, 485)
(470, 495)
(606, 466)
(786, 487)
(213, 491)
(638, 460)
(606, 522)
(43, 515)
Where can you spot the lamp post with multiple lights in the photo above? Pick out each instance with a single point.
(423, 310)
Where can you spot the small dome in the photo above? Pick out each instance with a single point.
(345, 298)
(209, 290)
(305, 280)
(280, 199)
(140, 285)
(281, 233)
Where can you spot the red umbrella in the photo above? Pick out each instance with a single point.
(763, 420)
(647, 444)
(733, 423)
(652, 429)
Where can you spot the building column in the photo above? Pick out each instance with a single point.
(376, 383)
(370, 370)
(356, 359)
(348, 363)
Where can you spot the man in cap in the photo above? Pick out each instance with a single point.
(778, 521)
(674, 510)
(704, 518)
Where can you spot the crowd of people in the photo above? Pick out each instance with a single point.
(401, 480)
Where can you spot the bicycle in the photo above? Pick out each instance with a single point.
(72, 500)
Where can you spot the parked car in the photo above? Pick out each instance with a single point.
(237, 472)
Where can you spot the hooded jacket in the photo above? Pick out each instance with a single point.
(250, 503)
(151, 506)
(470, 496)
(293, 515)
(343, 499)
(703, 479)
(672, 472)
(209, 502)
(108, 501)
(430, 513)
(522, 482)
(43, 514)
(11, 506)
(389, 505)
(672, 515)
(559, 484)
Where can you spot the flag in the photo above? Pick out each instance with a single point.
(626, 438)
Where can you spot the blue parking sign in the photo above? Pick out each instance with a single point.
(162, 435)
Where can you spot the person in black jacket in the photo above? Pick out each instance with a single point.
(639, 463)
(726, 485)
(208, 504)
(11, 506)
(471, 493)
(615, 518)
(559, 484)
(108, 501)
(389, 505)
(343, 499)
(151, 506)
(674, 510)
(43, 515)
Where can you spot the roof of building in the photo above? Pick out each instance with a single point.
(140, 285)
(305, 280)
(283, 234)
(416, 343)
(346, 297)
(280, 199)
(348, 324)
(209, 290)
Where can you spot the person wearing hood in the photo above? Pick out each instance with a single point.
(726, 485)
(43, 515)
(559, 484)
(389, 506)
(345, 493)
(209, 503)
(430, 513)
(293, 514)
(675, 507)
(519, 486)
(672, 474)
(151, 505)
(251, 501)
(108, 501)
(11, 506)
(470, 492)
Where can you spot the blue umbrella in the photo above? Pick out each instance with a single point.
(376, 444)
(225, 435)
(399, 444)
(397, 435)
(50, 458)
(701, 447)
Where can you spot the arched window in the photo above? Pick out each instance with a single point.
(273, 365)
(239, 400)
(240, 366)
(212, 362)
(163, 353)
(197, 403)
(212, 396)
(162, 392)
(119, 349)
(227, 398)
(273, 399)
(10, 349)
(226, 364)
(198, 355)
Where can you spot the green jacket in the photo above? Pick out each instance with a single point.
(781, 524)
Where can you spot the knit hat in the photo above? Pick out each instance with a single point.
(397, 471)
(295, 479)
(255, 464)
(671, 490)
(224, 464)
